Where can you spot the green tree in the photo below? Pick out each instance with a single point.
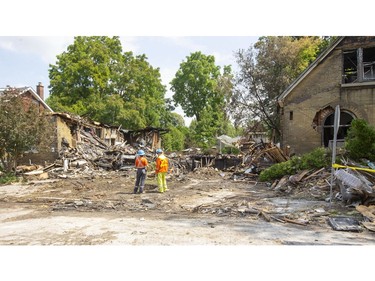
(202, 91)
(140, 86)
(87, 68)
(94, 78)
(265, 71)
(174, 140)
(195, 84)
(22, 128)
(204, 132)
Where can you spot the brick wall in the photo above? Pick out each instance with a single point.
(321, 88)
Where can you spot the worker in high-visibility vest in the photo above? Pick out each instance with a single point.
(161, 170)
(141, 165)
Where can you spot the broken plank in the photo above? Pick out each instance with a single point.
(369, 225)
(301, 175)
(315, 173)
(277, 219)
(295, 222)
(367, 211)
(267, 217)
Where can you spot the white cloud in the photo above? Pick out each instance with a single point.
(186, 43)
(45, 47)
(129, 43)
(223, 58)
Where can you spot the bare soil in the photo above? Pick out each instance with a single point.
(204, 208)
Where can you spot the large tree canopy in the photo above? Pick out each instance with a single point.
(195, 84)
(94, 78)
(265, 71)
(202, 91)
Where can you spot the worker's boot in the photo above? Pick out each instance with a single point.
(135, 190)
(141, 190)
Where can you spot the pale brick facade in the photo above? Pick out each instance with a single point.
(307, 106)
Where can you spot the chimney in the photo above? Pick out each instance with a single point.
(40, 90)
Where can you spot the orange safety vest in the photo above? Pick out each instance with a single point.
(141, 162)
(161, 164)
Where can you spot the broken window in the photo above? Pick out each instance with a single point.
(359, 65)
(350, 66)
(369, 64)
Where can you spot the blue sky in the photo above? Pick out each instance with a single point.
(32, 33)
(25, 60)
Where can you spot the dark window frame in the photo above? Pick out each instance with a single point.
(358, 65)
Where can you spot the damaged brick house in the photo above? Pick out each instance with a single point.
(343, 75)
(71, 130)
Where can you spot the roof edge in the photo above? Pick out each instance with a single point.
(37, 97)
(321, 57)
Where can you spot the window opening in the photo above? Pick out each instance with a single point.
(350, 66)
(359, 65)
(328, 128)
(369, 64)
(291, 115)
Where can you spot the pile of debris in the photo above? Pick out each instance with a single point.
(92, 153)
(353, 185)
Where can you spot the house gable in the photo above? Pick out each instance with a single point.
(306, 106)
(31, 96)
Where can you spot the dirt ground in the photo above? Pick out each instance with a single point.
(206, 207)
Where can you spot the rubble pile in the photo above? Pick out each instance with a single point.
(92, 154)
(266, 152)
(351, 186)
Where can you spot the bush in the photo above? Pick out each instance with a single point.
(230, 150)
(313, 160)
(360, 141)
(8, 178)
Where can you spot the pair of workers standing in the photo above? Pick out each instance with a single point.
(161, 170)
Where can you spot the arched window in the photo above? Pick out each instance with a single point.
(328, 127)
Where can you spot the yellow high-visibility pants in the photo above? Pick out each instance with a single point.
(162, 182)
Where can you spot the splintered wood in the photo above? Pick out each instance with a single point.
(266, 151)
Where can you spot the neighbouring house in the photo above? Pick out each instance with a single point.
(29, 96)
(343, 75)
(257, 133)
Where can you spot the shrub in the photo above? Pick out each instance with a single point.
(360, 141)
(230, 150)
(313, 160)
(8, 178)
